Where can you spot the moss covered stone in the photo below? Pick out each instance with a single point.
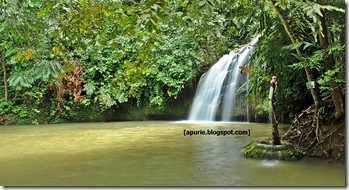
(265, 150)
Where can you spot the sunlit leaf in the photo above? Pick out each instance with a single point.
(202, 3)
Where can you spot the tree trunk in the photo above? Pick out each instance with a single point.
(336, 93)
(310, 77)
(275, 123)
(5, 77)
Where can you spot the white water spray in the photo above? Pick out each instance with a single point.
(217, 88)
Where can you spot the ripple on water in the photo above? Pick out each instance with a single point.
(269, 163)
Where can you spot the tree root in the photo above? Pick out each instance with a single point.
(317, 135)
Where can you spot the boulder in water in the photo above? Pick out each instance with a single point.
(264, 149)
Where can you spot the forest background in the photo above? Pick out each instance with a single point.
(113, 60)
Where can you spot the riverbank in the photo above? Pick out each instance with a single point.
(314, 134)
(318, 134)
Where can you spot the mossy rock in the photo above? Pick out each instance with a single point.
(263, 149)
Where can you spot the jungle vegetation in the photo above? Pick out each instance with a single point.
(101, 60)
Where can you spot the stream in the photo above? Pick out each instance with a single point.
(150, 153)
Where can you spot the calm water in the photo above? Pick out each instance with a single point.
(148, 154)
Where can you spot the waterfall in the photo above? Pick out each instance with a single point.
(216, 96)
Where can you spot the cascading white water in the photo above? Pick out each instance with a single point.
(218, 87)
(207, 98)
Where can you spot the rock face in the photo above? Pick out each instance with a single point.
(263, 149)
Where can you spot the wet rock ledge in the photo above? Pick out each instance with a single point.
(264, 149)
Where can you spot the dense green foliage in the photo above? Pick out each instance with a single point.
(91, 60)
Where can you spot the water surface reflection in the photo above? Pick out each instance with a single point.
(151, 153)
